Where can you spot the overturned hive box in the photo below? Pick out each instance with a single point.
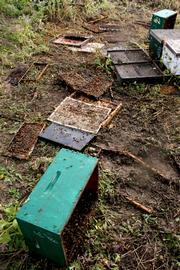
(54, 214)
(163, 19)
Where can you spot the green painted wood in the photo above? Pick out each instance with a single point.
(155, 48)
(47, 210)
(163, 19)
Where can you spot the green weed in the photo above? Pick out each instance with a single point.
(67, 10)
(10, 233)
(14, 8)
(104, 63)
(95, 8)
(9, 175)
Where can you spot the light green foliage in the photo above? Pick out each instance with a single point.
(61, 10)
(14, 8)
(10, 234)
(9, 231)
(94, 8)
(20, 31)
(67, 10)
(104, 63)
(10, 175)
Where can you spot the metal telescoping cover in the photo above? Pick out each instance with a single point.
(138, 72)
(162, 35)
(70, 137)
(128, 56)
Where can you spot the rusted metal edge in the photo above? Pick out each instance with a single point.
(82, 43)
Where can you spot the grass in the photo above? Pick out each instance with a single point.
(104, 63)
(119, 235)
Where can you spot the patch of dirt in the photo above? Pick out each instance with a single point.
(16, 74)
(121, 236)
(169, 89)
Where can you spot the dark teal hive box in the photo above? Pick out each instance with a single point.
(163, 19)
(44, 216)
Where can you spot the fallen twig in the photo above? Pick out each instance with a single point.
(116, 149)
(137, 204)
(145, 24)
(147, 166)
(93, 30)
(25, 73)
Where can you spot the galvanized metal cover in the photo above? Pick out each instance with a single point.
(174, 46)
(129, 56)
(91, 47)
(67, 136)
(165, 34)
(165, 13)
(137, 71)
(80, 115)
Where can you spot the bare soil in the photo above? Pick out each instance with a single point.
(121, 236)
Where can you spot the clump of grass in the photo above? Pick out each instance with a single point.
(166, 4)
(10, 234)
(95, 8)
(104, 63)
(67, 10)
(14, 8)
(20, 42)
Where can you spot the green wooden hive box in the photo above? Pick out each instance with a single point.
(50, 207)
(163, 19)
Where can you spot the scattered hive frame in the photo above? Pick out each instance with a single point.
(24, 141)
(75, 40)
(80, 115)
(91, 84)
(43, 66)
